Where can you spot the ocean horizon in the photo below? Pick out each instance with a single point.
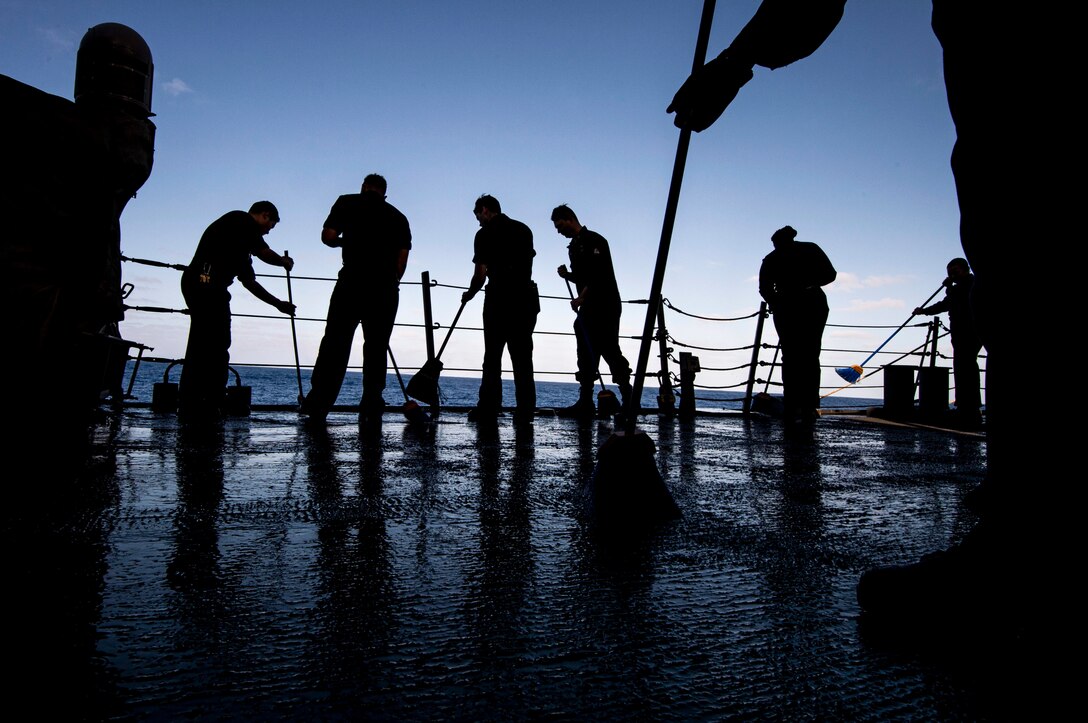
(279, 386)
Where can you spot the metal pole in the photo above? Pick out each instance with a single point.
(747, 408)
(428, 317)
(935, 327)
(294, 334)
(135, 368)
(666, 398)
(931, 341)
(666, 229)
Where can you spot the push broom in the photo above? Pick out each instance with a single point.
(853, 373)
(412, 411)
(626, 492)
(424, 383)
(606, 398)
(294, 336)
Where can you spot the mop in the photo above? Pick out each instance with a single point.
(852, 374)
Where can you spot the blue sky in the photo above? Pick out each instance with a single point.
(538, 103)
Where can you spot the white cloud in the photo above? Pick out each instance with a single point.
(840, 333)
(62, 40)
(847, 281)
(863, 305)
(176, 87)
(873, 282)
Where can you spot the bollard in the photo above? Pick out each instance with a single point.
(689, 365)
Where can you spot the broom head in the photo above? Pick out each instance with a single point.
(424, 384)
(851, 373)
(415, 414)
(764, 403)
(607, 402)
(626, 494)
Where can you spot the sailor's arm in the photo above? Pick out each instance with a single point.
(476, 283)
(781, 32)
(330, 237)
(272, 258)
(263, 294)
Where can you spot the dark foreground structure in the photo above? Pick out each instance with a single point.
(68, 171)
(262, 571)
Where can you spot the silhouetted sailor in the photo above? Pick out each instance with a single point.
(68, 171)
(375, 238)
(1012, 125)
(789, 281)
(503, 254)
(597, 326)
(965, 342)
(223, 254)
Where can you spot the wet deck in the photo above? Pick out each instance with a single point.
(267, 572)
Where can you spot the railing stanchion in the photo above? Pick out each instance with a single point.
(935, 329)
(747, 408)
(666, 398)
(425, 279)
(135, 368)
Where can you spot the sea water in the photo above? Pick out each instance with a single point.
(280, 386)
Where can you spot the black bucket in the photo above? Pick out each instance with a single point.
(899, 389)
(105, 356)
(238, 401)
(164, 394)
(933, 391)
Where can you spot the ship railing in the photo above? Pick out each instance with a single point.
(694, 370)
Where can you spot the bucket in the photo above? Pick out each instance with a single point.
(238, 401)
(164, 394)
(105, 357)
(933, 391)
(899, 389)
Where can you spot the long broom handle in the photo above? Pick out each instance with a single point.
(450, 332)
(869, 358)
(400, 379)
(585, 334)
(666, 228)
(902, 356)
(294, 334)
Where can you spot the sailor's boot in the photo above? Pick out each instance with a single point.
(584, 407)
